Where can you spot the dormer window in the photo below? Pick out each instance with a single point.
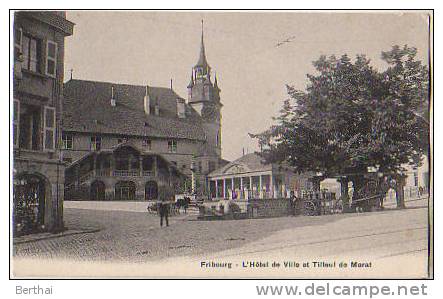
(96, 143)
(67, 141)
(147, 144)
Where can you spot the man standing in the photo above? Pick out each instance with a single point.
(164, 212)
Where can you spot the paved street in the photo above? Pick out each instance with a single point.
(137, 237)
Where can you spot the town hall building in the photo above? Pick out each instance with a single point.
(125, 141)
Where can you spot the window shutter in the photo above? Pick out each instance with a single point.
(49, 129)
(51, 58)
(18, 41)
(16, 123)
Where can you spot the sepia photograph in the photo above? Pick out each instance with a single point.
(221, 144)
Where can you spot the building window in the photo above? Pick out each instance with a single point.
(51, 58)
(15, 123)
(200, 167)
(67, 141)
(217, 139)
(18, 35)
(30, 48)
(147, 144)
(172, 146)
(96, 142)
(34, 122)
(49, 128)
(122, 140)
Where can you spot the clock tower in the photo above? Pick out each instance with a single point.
(204, 97)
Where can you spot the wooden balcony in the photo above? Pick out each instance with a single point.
(126, 173)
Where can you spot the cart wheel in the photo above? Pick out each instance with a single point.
(338, 206)
(309, 209)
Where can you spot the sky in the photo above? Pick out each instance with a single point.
(243, 48)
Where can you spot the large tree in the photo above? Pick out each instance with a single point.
(351, 117)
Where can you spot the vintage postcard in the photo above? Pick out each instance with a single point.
(221, 144)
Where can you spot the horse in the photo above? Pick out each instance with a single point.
(183, 203)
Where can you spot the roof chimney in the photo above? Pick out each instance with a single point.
(181, 108)
(146, 101)
(113, 102)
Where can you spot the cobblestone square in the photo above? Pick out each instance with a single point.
(116, 235)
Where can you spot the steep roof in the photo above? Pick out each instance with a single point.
(245, 164)
(87, 108)
(202, 57)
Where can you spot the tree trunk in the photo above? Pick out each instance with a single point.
(400, 192)
(344, 193)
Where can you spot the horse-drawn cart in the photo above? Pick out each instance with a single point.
(320, 203)
(368, 198)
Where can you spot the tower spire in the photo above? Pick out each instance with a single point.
(202, 58)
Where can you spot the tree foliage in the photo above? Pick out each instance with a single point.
(352, 116)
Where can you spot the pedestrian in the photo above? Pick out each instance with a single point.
(164, 212)
(293, 200)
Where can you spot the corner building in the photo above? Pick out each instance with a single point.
(38, 170)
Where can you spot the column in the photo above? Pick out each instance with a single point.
(271, 185)
(208, 187)
(232, 188)
(241, 188)
(155, 166)
(216, 188)
(169, 175)
(193, 182)
(260, 187)
(224, 188)
(94, 166)
(111, 165)
(129, 163)
(140, 163)
(251, 188)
